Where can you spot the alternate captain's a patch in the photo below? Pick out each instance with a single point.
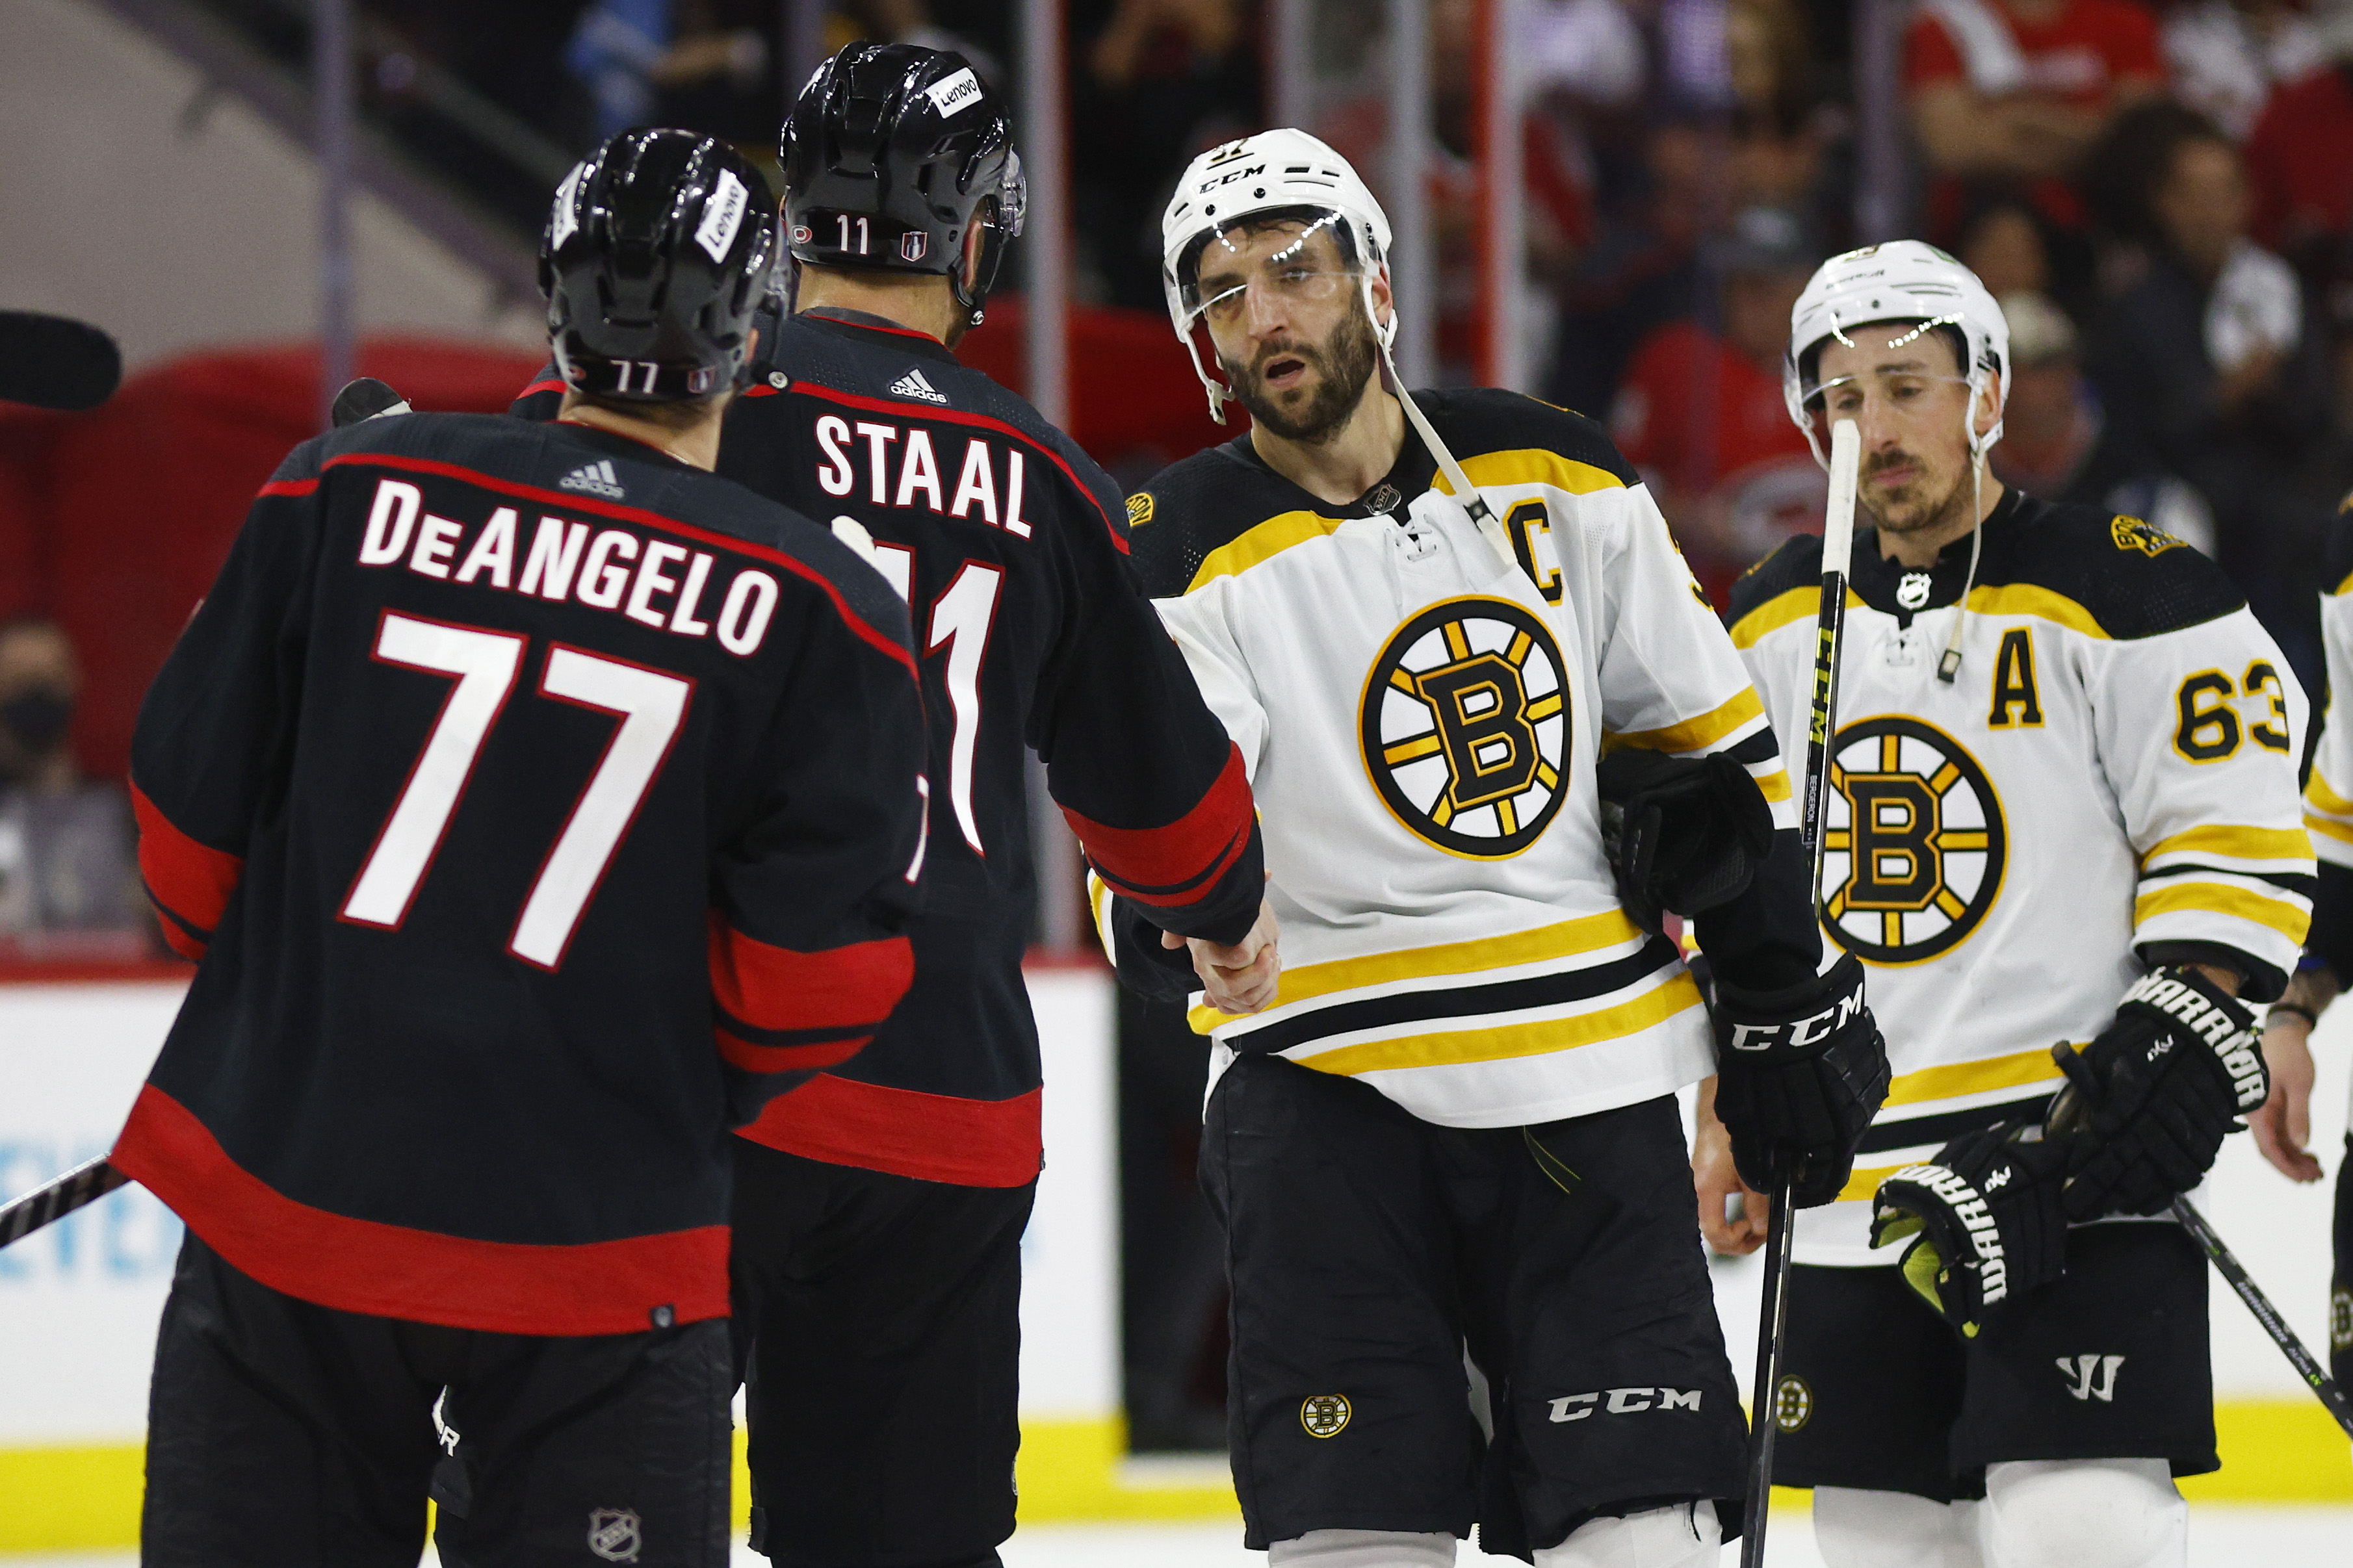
(1465, 727)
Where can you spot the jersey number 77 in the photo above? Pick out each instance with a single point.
(650, 705)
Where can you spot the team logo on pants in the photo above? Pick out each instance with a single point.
(1912, 847)
(613, 1534)
(2340, 1320)
(1324, 1415)
(1465, 727)
(1793, 1403)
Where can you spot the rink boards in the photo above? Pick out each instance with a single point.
(79, 1303)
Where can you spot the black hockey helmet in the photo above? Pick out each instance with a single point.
(892, 152)
(658, 250)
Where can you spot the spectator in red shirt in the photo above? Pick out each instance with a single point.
(2300, 155)
(1700, 411)
(2015, 92)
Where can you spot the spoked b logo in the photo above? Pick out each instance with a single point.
(1912, 847)
(1465, 727)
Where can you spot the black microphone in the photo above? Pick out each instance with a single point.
(366, 397)
(51, 362)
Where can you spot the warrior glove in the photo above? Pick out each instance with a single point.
(1690, 831)
(1990, 1218)
(2149, 1102)
(1799, 1074)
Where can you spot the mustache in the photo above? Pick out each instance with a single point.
(1880, 465)
(1270, 352)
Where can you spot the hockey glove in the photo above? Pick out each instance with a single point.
(1799, 1074)
(1990, 1222)
(2149, 1102)
(1690, 831)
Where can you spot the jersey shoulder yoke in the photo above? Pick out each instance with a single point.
(2105, 574)
(1504, 438)
(1780, 588)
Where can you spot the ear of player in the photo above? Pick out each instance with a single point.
(1800, 1072)
(1988, 1219)
(2149, 1102)
(1685, 833)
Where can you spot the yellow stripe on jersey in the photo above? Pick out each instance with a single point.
(2221, 899)
(1775, 785)
(1534, 466)
(1263, 543)
(2235, 843)
(1709, 728)
(1569, 938)
(2346, 585)
(1863, 1184)
(1797, 605)
(2026, 599)
(2328, 829)
(1677, 994)
(2321, 795)
(1950, 1082)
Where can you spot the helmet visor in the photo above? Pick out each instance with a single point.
(1297, 257)
(1012, 197)
(1900, 378)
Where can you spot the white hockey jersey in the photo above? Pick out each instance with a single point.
(1421, 723)
(2328, 793)
(2108, 783)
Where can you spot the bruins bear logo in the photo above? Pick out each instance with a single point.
(1466, 725)
(1913, 846)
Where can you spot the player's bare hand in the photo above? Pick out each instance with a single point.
(1240, 978)
(1717, 1181)
(2283, 1124)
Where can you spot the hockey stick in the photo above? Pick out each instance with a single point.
(82, 1185)
(2227, 1262)
(1821, 726)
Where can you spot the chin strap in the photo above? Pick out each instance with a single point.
(1949, 664)
(1465, 491)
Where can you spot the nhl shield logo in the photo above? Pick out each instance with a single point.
(1465, 727)
(1912, 847)
(1324, 1415)
(613, 1534)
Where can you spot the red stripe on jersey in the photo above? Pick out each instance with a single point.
(290, 487)
(930, 1137)
(566, 499)
(422, 1276)
(1178, 864)
(770, 987)
(190, 879)
(177, 938)
(955, 416)
(545, 384)
(788, 1058)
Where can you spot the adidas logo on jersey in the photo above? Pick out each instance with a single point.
(597, 478)
(913, 384)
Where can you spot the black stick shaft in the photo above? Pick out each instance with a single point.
(1773, 1312)
(82, 1185)
(2227, 1262)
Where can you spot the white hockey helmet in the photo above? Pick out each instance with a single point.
(1285, 171)
(1902, 280)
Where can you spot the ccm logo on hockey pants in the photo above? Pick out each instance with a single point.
(1623, 1402)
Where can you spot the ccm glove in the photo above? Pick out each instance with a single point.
(1990, 1222)
(1689, 832)
(2149, 1102)
(1799, 1074)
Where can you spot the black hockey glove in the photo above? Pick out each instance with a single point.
(1690, 832)
(2149, 1102)
(1990, 1218)
(1799, 1074)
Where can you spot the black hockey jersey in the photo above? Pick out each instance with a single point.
(1010, 544)
(538, 806)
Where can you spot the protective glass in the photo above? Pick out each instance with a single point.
(1902, 393)
(1312, 265)
(1012, 197)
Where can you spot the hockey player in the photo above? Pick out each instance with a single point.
(2284, 1127)
(537, 805)
(2065, 774)
(1455, 1124)
(879, 1209)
